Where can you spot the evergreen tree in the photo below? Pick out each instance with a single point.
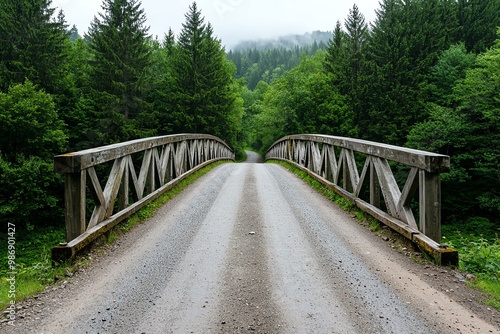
(406, 41)
(353, 86)
(32, 43)
(73, 34)
(335, 59)
(478, 20)
(76, 103)
(204, 94)
(119, 42)
(444, 76)
(169, 42)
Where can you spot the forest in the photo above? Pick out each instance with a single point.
(425, 74)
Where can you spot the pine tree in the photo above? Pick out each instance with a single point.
(355, 44)
(204, 94)
(32, 43)
(478, 21)
(334, 60)
(119, 41)
(406, 41)
(73, 34)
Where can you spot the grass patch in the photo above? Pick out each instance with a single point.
(33, 263)
(481, 257)
(374, 225)
(34, 270)
(491, 288)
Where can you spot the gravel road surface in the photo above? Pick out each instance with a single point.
(250, 248)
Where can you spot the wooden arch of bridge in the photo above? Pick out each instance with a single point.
(162, 162)
(334, 162)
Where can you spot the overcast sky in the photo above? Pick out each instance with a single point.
(232, 20)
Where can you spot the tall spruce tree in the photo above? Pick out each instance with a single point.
(334, 58)
(406, 41)
(32, 43)
(478, 21)
(204, 93)
(354, 88)
(119, 42)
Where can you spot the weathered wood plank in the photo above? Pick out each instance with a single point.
(77, 161)
(353, 174)
(75, 198)
(430, 162)
(430, 204)
(374, 185)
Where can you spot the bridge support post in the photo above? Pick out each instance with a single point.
(74, 195)
(123, 196)
(430, 205)
(374, 187)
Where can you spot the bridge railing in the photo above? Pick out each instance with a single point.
(371, 184)
(134, 173)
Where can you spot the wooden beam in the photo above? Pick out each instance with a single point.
(430, 205)
(77, 161)
(430, 162)
(74, 195)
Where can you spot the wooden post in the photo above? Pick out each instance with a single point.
(123, 195)
(346, 181)
(430, 205)
(374, 187)
(74, 195)
(151, 175)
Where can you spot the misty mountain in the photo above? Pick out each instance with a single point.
(287, 42)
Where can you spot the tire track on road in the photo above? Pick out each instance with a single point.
(247, 304)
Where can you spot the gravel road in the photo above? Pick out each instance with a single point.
(250, 248)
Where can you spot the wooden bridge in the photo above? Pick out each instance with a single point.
(137, 172)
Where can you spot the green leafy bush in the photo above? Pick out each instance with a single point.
(481, 257)
(28, 194)
(31, 135)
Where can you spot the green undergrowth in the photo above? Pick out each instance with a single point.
(478, 255)
(34, 270)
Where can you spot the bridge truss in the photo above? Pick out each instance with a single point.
(361, 172)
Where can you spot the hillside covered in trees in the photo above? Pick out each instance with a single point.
(424, 74)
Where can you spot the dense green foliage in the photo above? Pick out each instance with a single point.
(31, 132)
(32, 43)
(257, 64)
(60, 92)
(424, 74)
(204, 96)
(118, 41)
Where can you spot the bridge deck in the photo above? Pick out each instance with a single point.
(251, 248)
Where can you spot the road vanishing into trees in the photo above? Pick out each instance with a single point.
(250, 248)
